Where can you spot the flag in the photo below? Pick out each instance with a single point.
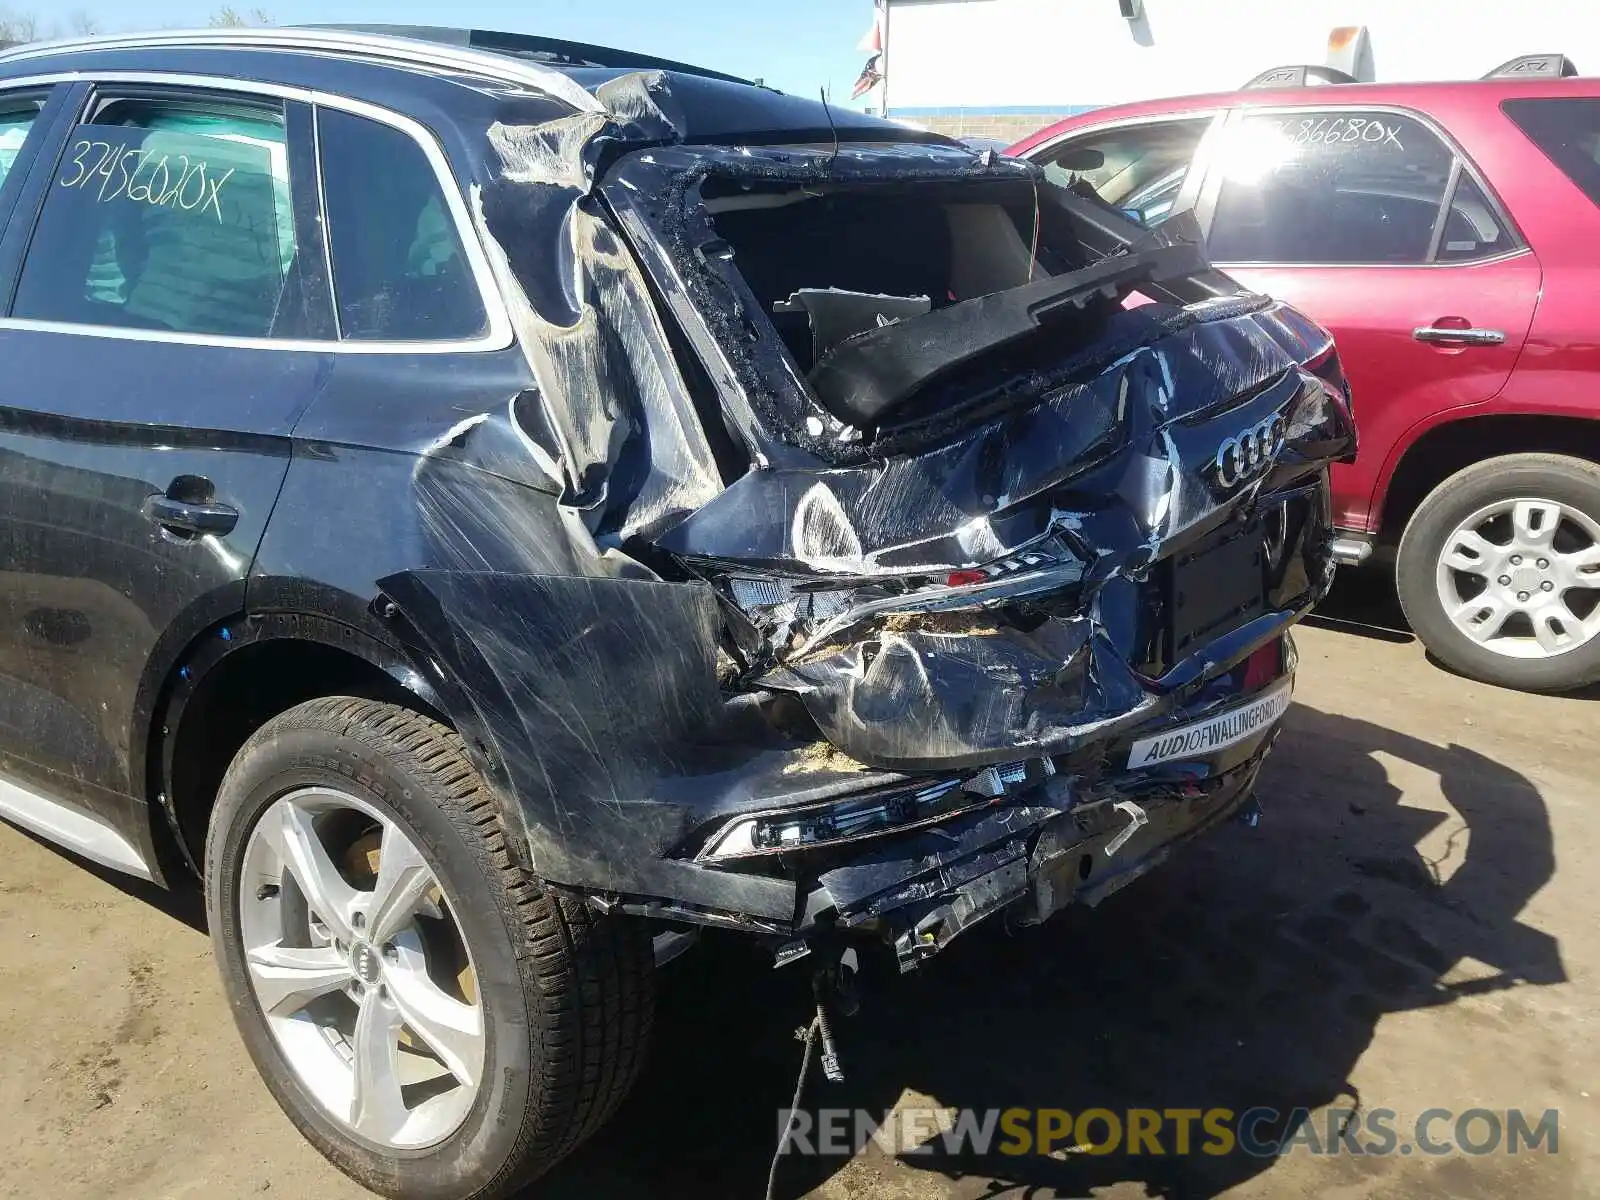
(872, 43)
(869, 78)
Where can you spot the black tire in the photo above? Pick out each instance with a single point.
(567, 993)
(1573, 482)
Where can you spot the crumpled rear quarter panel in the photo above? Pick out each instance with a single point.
(610, 705)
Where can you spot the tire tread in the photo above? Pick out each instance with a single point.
(589, 977)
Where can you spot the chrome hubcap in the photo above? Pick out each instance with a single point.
(1522, 578)
(360, 969)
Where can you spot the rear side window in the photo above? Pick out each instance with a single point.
(1568, 131)
(400, 272)
(168, 215)
(1473, 228)
(1137, 168)
(1329, 187)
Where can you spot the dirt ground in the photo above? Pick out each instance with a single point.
(1414, 925)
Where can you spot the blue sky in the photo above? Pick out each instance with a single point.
(796, 45)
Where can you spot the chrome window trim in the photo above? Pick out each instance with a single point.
(384, 48)
(1207, 114)
(1447, 203)
(497, 337)
(1503, 256)
(322, 217)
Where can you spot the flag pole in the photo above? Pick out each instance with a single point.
(888, 10)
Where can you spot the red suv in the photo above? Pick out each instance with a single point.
(1449, 235)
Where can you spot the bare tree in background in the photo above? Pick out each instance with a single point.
(228, 17)
(18, 27)
(26, 27)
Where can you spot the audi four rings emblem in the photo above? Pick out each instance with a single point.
(1246, 452)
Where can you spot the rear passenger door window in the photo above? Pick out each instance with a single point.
(400, 268)
(1371, 222)
(1328, 187)
(169, 214)
(1347, 188)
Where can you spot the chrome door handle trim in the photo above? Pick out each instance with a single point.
(1465, 337)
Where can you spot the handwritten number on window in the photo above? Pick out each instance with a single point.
(169, 182)
(1326, 131)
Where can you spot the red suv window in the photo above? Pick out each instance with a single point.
(1337, 187)
(1568, 131)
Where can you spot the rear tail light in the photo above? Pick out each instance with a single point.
(1327, 367)
(783, 608)
(1265, 665)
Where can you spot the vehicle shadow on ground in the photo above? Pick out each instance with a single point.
(1364, 602)
(1250, 971)
(184, 901)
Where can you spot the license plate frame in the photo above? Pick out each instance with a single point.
(1216, 588)
(1214, 734)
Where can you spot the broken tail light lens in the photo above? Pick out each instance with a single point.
(785, 603)
(1330, 370)
(867, 816)
(1263, 666)
(790, 604)
(840, 822)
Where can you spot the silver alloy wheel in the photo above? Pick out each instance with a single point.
(1511, 575)
(370, 993)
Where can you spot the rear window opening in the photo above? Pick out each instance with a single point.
(833, 267)
(943, 245)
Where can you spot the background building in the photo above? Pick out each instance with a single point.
(1002, 68)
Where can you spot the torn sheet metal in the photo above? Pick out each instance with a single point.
(619, 426)
(773, 609)
(602, 700)
(837, 314)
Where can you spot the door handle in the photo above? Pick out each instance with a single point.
(191, 517)
(1459, 337)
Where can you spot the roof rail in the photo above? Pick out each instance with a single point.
(552, 51)
(1308, 74)
(407, 52)
(1535, 66)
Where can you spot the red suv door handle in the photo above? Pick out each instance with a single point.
(1459, 337)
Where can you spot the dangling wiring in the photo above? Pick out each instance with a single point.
(794, 1106)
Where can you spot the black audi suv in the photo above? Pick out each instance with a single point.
(493, 507)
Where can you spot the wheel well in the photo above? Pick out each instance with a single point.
(241, 693)
(1441, 452)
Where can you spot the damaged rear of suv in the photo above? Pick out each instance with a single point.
(770, 519)
(1015, 554)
